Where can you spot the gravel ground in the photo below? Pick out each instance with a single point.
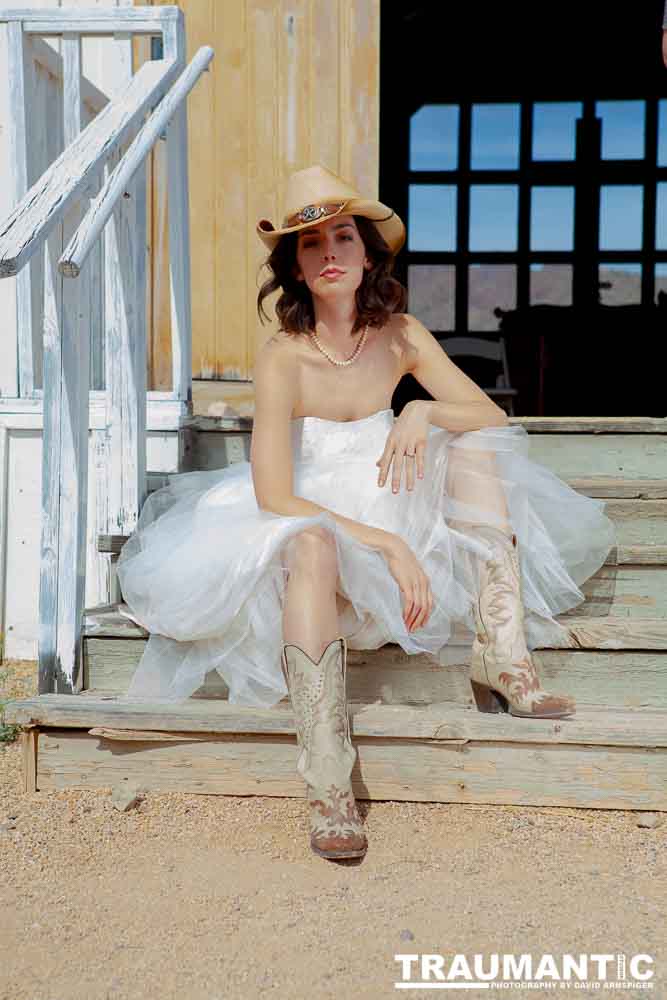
(209, 897)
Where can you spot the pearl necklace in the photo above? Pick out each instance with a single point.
(353, 356)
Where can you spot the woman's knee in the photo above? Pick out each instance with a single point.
(313, 549)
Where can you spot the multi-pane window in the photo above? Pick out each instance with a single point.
(521, 203)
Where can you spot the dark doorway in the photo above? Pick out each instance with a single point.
(525, 147)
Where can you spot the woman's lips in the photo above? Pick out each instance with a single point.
(332, 274)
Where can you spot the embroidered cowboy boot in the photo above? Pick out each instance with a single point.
(318, 696)
(503, 676)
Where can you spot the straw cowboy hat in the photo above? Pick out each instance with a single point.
(316, 193)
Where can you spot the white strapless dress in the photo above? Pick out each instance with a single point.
(205, 572)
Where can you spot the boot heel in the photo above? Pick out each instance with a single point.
(486, 699)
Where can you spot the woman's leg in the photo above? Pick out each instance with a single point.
(310, 616)
(314, 665)
(501, 661)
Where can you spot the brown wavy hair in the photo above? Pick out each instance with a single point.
(377, 297)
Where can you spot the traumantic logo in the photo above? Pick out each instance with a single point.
(569, 972)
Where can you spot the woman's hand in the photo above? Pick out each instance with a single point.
(407, 438)
(413, 582)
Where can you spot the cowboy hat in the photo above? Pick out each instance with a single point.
(316, 193)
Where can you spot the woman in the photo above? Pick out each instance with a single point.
(349, 528)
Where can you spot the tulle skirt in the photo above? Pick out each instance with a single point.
(206, 570)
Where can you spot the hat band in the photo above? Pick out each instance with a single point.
(311, 212)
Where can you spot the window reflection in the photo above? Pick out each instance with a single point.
(551, 284)
(620, 284)
(552, 218)
(662, 133)
(495, 137)
(621, 216)
(490, 286)
(434, 137)
(432, 217)
(431, 295)
(622, 129)
(661, 217)
(494, 214)
(554, 130)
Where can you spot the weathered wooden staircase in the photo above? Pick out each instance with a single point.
(418, 733)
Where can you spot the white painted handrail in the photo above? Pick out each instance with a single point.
(45, 204)
(102, 206)
(92, 20)
(73, 312)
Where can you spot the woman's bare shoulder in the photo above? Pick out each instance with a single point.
(278, 350)
(275, 372)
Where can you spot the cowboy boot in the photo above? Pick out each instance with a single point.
(502, 675)
(317, 693)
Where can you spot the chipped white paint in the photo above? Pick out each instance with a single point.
(21, 97)
(20, 516)
(163, 412)
(92, 20)
(68, 177)
(48, 211)
(86, 235)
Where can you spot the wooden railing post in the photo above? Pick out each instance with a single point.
(21, 80)
(126, 344)
(179, 226)
(65, 438)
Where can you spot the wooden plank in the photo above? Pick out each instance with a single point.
(65, 440)
(51, 196)
(218, 222)
(9, 375)
(179, 226)
(21, 102)
(115, 17)
(614, 633)
(638, 522)
(620, 488)
(624, 591)
(593, 425)
(163, 415)
(125, 486)
(443, 770)
(638, 555)
(625, 457)
(628, 455)
(265, 24)
(614, 678)
(442, 721)
(583, 633)
(131, 163)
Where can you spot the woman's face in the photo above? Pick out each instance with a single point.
(336, 243)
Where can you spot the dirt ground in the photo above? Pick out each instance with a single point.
(202, 897)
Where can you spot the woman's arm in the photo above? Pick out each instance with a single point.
(271, 448)
(459, 404)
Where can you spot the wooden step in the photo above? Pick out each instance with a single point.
(628, 447)
(607, 662)
(443, 752)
